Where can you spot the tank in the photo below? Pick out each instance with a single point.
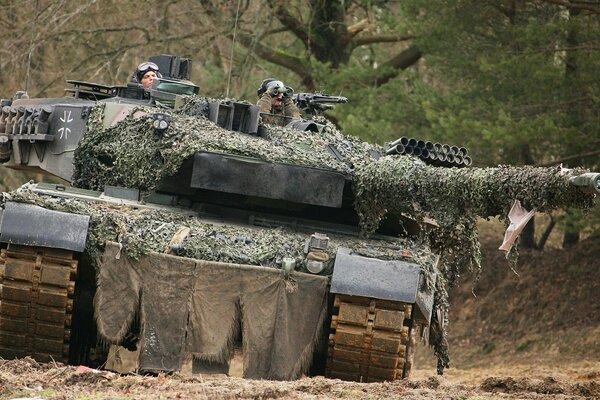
(183, 228)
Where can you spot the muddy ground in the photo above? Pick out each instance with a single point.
(27, 379)
(529, 334)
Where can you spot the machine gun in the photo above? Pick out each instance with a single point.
(315, 103)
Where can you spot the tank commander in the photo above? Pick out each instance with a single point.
(275, 102)
(145, 73)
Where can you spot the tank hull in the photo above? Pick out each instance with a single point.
(169, 308)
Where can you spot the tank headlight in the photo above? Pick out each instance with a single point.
(314, 266)
(316, 257)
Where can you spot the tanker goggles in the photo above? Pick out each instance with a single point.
(146, 66)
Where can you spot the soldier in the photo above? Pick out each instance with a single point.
(275, 99)
(145, 74)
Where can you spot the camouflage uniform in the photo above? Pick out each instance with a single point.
(277, 115)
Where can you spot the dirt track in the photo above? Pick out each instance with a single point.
(28, 379)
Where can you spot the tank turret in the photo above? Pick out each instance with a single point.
(184, 215)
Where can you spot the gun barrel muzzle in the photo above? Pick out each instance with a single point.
(588, 182)
(397, 149)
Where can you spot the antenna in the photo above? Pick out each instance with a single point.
(31, 48)
(237, 13)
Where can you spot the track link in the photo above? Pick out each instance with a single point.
(36, 302)
(371, 340)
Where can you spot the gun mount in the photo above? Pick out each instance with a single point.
(313, 104)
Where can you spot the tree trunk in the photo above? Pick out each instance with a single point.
(329, 39)
(328, 32)
(570, 239)
(571, 235)
(546, 234)
(527, 240)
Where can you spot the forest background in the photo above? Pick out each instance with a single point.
(514, 81)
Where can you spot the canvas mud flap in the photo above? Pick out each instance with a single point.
(193, 307)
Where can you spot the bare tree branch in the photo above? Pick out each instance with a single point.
(569, 158)
(358, 27)
(292, 23)
(578, 5)
(277, 30)
(535, 109)
(292, 63)
(365, 40)
(97, 31)
(393, 66)
(83, 61)
(354, 30)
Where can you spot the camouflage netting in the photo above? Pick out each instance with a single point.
(132, 154)
(455, 198)
(141, 231)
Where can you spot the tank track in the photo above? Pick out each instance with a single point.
(371, 340)
(36, 302)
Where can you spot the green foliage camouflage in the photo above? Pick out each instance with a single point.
(132, 154)
(142, 230)
(454, 198)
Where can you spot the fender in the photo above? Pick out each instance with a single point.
(382, 279)
(31, 225)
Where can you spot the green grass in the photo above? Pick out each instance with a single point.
(488, 347)
(525, 346)
(11, 394)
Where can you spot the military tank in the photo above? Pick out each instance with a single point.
(184, 226)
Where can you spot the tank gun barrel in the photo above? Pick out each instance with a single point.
(587, 183)
(406, 186)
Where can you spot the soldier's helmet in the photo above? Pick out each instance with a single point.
(263, 86)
